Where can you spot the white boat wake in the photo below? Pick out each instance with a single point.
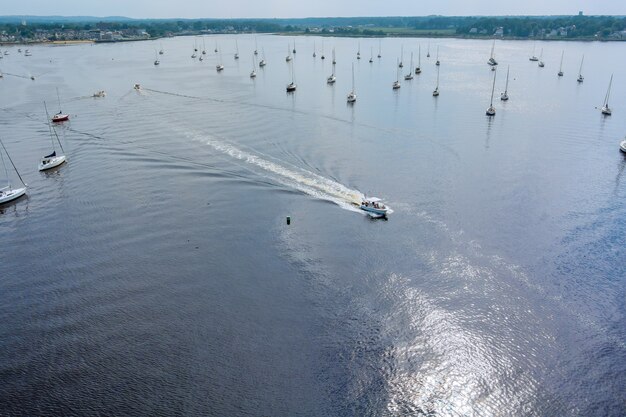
(294, 177)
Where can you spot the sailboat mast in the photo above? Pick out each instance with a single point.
(608, 93)
(353, 77)
(6, 172)
(59, 98)
(493, 87)
(506, 87)
(52, 131)
(561, 65)
(11, 160)
(580, 70)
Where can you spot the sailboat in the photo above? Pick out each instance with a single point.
(236, 49)
(8, 193)
(194, 54)
(533, 57)
(323, 57)
(161, 52)
(253, 73)
(437, 61)
(215, 47)
(606, 110)
(256, 47)
(262, 62)
(60, 116)
(219, 67)
(560, 74)
(203, 46)
(418, 70)
(541, 64)
(492, 60)
(580, 78)
(409, 76)
(396, 83)
(371, 54)
(379, 55)
(334, 57)
(358, 52)
(331, 79)
(352, 94)
(428, 51)
(505, 96)
(288, 57)
(401, 56)
(491, 111)
(52, 160)
(294, 47)
(314, 54)
(291, 87)
(156, 58)
(436, 91)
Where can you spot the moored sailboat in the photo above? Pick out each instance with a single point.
(505, 96)
(8, 193)
(580, 78)
(60, 116)
(491, 111)
(606, 110)
(352, 95)
(52, 160)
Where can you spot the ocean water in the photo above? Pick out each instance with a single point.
(155, 274)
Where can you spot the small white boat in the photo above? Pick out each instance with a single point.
(288, 57)
(533, 57)
(491, 111)
(436, 90)
(253, 73)
(331, 78)
(396, 84)
(560, 73)
(262, 62)
(492, 61)
(622, 146)
(352, 94)
(418, 70)
(51, 161)
(27, 53)
(219, 67)
(580, 78)
(375, 206)
(409, 76)
(291, 87)
(606, 110)
(8, 193)
(99, 94)
(505, 96)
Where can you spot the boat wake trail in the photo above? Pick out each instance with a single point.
(292, 176)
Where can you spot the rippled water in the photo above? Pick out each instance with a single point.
(154, 273)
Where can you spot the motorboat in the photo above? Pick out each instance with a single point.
(375, 206)
(51, 161)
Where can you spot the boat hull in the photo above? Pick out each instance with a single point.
(60, 118)
(10, 195)
(50, 163)
(622, 146)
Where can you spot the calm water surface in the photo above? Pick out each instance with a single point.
(154, 273)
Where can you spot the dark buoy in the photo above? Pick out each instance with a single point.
(288, 219)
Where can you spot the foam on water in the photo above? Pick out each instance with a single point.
(300, 179)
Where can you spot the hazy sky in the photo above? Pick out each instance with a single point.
(306, 8)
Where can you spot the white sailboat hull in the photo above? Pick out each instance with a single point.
(622, 146)
(48, 163)
(10, 195)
